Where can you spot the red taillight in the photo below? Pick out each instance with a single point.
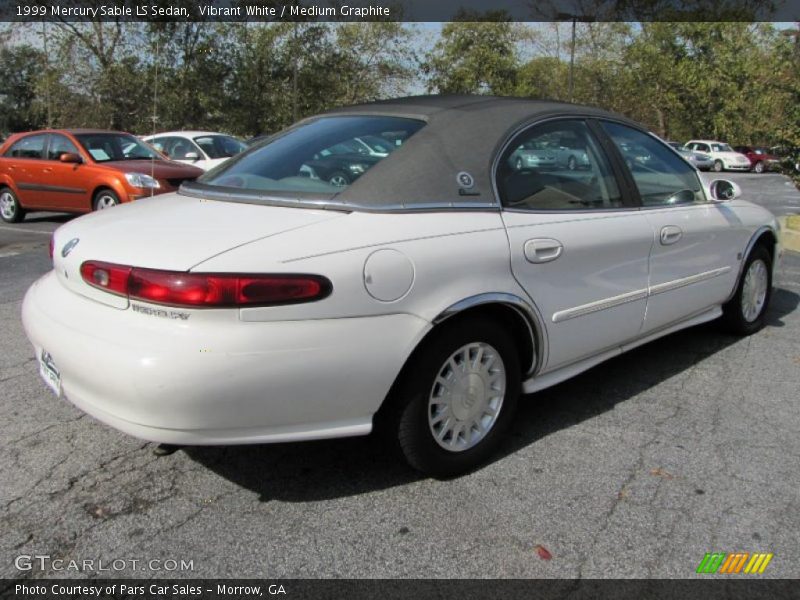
(106, 276)
(205, 289)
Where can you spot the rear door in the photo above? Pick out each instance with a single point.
(578, 244)
(694, 262)
(25, 165)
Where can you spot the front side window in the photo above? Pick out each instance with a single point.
(105, 147)
(60, 145)
(322, 156)
(662, 177)
(721, 148)
(556, 166)
(31, 146)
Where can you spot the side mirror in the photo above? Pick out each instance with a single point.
(723, 190)
(191, 156)
(70, 157)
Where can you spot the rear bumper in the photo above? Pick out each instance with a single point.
(214, 379)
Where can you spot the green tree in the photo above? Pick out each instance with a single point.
(474, 58)
(20, 67)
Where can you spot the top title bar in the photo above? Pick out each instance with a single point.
(399, 10)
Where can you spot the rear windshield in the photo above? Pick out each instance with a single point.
(321, 157)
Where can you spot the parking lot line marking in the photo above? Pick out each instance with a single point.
(25, 230)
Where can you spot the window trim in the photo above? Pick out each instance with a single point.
(629, 175)
(629, 201)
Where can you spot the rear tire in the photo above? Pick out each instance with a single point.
(746, 312)
(11, 210)
(105, 199)
(759, 167)
(457, 398)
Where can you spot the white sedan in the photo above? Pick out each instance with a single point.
(261, 305)
(203, 149)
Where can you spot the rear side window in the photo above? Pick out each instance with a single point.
(31, 146)
(220, 146)
(323, 156)
(556, 166)
(60, 145)
(177, 148)
(661, 176)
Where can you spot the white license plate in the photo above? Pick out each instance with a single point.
(49, 372)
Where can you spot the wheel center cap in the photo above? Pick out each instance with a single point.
(470, 397)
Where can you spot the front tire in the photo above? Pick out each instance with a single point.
(746, 312)
(718, 166)
(759, 167)
(11, 210)
(457, 398)
(339, 179)
(105, 199)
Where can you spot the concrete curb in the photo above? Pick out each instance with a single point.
(790, 238)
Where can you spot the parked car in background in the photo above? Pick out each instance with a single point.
(725, 158)
(702, 161)
(80, 170)
(261, 305)
(760, 158)
(202, 149)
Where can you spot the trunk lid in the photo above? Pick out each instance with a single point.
(169, 232)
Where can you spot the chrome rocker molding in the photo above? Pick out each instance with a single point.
(534, 384)
(523, 308)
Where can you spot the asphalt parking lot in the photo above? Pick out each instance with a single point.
(637, 468)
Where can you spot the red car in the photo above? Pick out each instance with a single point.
(80, 170)
(760, 158)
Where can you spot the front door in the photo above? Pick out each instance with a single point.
(578, 246)
(694, 263)
(63, 182)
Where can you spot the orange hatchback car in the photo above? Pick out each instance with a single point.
(80, 170)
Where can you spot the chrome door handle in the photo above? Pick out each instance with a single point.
(670, 234)
(542, 250)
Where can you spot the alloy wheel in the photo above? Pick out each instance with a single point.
(8, 206)
(467, 396)
(754, 290)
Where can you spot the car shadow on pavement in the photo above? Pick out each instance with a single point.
(49, 218)
(312, 471)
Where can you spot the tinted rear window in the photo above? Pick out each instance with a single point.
(322, 157)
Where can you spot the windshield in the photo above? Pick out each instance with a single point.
(322, 156)
(721, 148)
(220, 146)
(104, 147)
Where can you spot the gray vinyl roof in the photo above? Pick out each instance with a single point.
(463, 134)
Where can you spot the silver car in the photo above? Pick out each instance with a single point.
(702, 161)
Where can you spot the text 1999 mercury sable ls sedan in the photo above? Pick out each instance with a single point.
(261, 304)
